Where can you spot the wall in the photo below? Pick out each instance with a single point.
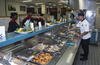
(97, 16)
(2, 8)
(74, 4)
(4, 12)
(17, 6)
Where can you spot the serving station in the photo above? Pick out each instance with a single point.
(45, 46)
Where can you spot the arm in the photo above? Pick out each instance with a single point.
(82, 34)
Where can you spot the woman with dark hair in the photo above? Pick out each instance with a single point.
(13, 24)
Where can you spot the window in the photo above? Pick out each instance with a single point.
(22, 8)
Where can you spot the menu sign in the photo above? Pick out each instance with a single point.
(2, 33)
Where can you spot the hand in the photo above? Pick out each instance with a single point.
(77, 34)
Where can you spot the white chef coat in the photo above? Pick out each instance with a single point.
(84, 26)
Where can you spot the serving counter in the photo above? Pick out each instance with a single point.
(13, 37)
(51, 45)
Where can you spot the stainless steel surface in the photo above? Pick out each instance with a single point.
(69, 55)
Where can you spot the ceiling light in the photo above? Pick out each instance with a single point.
(65, 6)
(27, 1)
(59, 4)
(54, 4)
(31, 6)
(38, 3)
(63, 1)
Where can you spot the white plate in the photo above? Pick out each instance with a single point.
(23, 32)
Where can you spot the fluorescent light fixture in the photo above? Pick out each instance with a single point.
(54, 4)
(68, 7)
(27, 1)
(60, 4)
(51, 7)
(31, 6)
(63, 1)
(50, 3)
(65, 6)
(38, 3)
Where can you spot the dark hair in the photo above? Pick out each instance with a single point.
(80, 14)
(13, 14)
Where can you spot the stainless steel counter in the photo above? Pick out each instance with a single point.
(69, 55)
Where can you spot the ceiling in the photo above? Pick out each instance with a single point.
(98, 1)
(39, 1)
(35, 1)
(48, 2)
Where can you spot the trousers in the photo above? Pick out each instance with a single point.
(85, 47)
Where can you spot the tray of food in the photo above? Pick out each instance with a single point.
(26, 54)
(42, 59)
(52, 48)
(23, 31)
(39, 47)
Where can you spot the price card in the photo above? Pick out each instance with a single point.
(2, 33)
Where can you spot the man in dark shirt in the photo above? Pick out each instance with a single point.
(28, 17)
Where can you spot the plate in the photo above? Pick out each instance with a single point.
(23, 32)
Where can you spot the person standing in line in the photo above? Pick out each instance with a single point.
(13, 23)
(85, 35)
(27, 19)
(41, 19)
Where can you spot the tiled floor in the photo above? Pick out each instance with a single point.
(93, 59)
(94, 56)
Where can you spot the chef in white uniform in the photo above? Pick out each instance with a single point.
(85, 35)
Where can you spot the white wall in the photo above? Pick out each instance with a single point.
(17, 6)
(2, 8)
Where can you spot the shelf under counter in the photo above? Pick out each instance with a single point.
(14, 37)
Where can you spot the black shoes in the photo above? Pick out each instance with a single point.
(83, 59)
(82, 55)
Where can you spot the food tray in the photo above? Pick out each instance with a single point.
(52, 48)
(42, 59)
(26, 54)
(23, 32)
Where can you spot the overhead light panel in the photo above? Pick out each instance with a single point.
(63, 1)
(31, 6)
(38, 3)
(27, 1)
